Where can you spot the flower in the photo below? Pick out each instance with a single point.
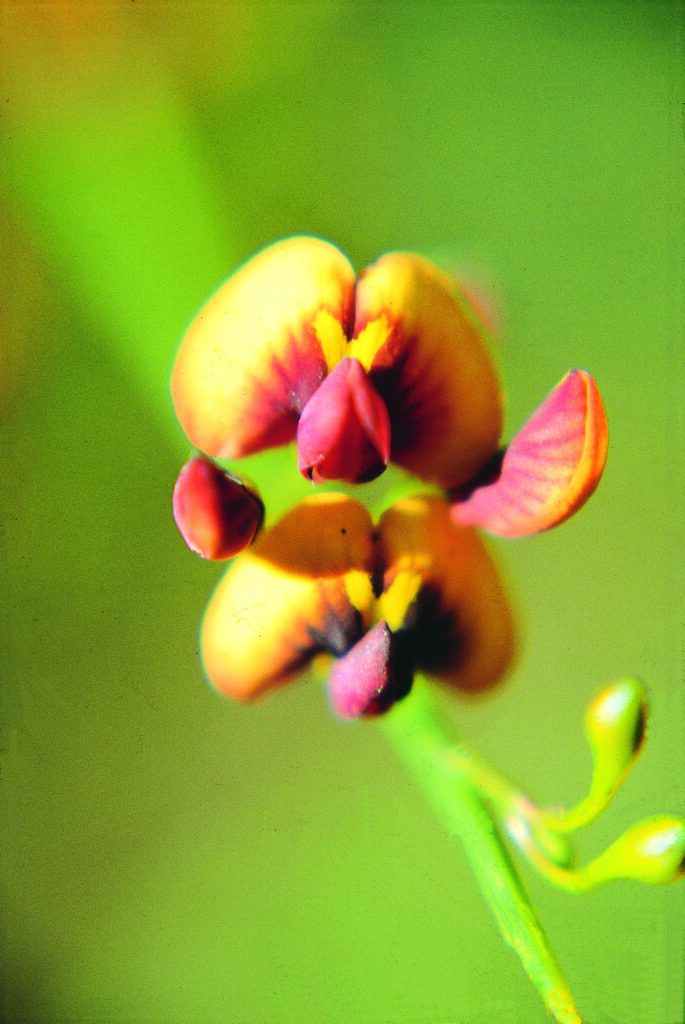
(417, 592)
(389, 365)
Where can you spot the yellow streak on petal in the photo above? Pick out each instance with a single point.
(369, 341)
(331, 337)
(394, 603)
(335, 345)
(360, 593)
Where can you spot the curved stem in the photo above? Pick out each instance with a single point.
(415, 731)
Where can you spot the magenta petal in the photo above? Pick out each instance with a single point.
(216, 514)
(344, 430)
(548, 471)
(360, 682)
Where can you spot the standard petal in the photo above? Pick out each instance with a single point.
(325, 535)
(550, 468)
(286, 599)
(433, 371)
(251, 358)
(344, 430)
(460, 628)
(217, 515)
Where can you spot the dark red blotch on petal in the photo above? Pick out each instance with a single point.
(344, 430)
(217, 515)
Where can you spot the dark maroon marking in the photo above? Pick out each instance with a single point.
(433, 638)
(283, 390)
(338, 634)
(489, 474)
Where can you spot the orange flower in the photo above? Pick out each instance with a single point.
(415, 593)
(388, 366)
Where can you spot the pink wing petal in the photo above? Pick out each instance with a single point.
(550, 468)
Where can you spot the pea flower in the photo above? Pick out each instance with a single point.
(415, 593)
(360, 371)
(389, 365)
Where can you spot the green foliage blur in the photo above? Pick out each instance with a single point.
(168, 857)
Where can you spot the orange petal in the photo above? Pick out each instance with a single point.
(550, 468)
(325, 535)
(433, 371)
(216, 514)
(286, 599)
(461, 628)
(251, 359)
(344, 430)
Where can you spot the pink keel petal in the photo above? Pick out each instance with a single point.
(359, 681)
(344, 430)
(550, 468)
(216, 514)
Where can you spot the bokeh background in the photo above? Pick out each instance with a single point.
(166, 856)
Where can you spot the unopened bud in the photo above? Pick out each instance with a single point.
(218, 515)
(651, 851)
(615, 727)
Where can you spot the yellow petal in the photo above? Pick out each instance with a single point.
(463, 628)
(251, 359)
(325, 535)
(263, 626)
(433, 371)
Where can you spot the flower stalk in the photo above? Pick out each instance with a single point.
(443, 769)
(480, 807)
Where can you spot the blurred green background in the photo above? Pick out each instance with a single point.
(167, 856)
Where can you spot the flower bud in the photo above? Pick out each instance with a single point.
(651, 851)
(218, 516)
(615, 727)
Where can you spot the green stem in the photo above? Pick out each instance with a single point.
(414, 729)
